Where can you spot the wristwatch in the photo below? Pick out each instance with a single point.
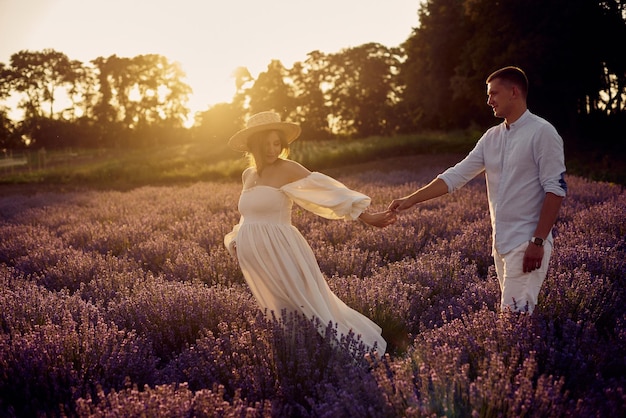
(537, 241)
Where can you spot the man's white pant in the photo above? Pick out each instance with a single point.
(520, 289)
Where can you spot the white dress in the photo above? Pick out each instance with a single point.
(279, 265)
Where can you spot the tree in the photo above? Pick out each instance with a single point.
(141, 93)
(216, 124)
(110, 103)
(39, 76)
(311, 95)
(162, 93)
(270, 91)
(241, 76)
(612, 97)
(432, 54)
(43, 79)
(82, 92)
(363, 89)
(8, 137)
(566, 48)
(5, 88)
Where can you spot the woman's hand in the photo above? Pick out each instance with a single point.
(378, 219)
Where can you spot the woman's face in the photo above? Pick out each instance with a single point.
(269, 148)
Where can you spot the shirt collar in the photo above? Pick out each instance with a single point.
(520, 121)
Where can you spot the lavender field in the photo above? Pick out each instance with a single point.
(126, 304)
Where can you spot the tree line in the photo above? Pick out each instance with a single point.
(572, 51)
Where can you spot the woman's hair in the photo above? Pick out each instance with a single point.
(512, 75)
(256, 138)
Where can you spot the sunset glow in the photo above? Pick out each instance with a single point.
(208, 39)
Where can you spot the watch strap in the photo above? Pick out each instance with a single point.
(537, 241)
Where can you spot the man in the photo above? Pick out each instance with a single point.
(524, 169)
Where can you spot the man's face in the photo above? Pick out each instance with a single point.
(500, 97)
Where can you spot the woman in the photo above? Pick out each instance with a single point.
(276, 261)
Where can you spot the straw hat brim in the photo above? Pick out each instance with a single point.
(239, 141)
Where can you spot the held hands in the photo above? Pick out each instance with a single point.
(401, 204)
(434, 189)
(378, 219)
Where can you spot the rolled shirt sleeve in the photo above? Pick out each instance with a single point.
(550, 160)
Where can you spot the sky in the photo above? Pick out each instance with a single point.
(208, 38)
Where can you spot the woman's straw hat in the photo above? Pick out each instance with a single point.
(263, 121)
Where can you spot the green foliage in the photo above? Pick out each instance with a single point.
(564, 46)
(435, 80)
(336, 153)
(112, 96)
(206, 161)
(39, 76)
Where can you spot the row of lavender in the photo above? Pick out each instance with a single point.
(126, 303)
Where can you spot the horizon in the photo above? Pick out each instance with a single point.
(239, 34)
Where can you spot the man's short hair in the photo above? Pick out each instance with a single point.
(513, 75)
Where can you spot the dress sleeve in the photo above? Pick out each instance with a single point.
(230, 239)
(327, 197)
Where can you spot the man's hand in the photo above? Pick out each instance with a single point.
(401, 204)
(532, 257)
(435, 188)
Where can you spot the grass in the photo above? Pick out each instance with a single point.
(210, 161)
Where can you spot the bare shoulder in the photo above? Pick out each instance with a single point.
(246, 174)
(294, 170)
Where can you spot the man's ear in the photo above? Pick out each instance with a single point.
(516, 91)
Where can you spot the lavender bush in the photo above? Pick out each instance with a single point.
(126, 304)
